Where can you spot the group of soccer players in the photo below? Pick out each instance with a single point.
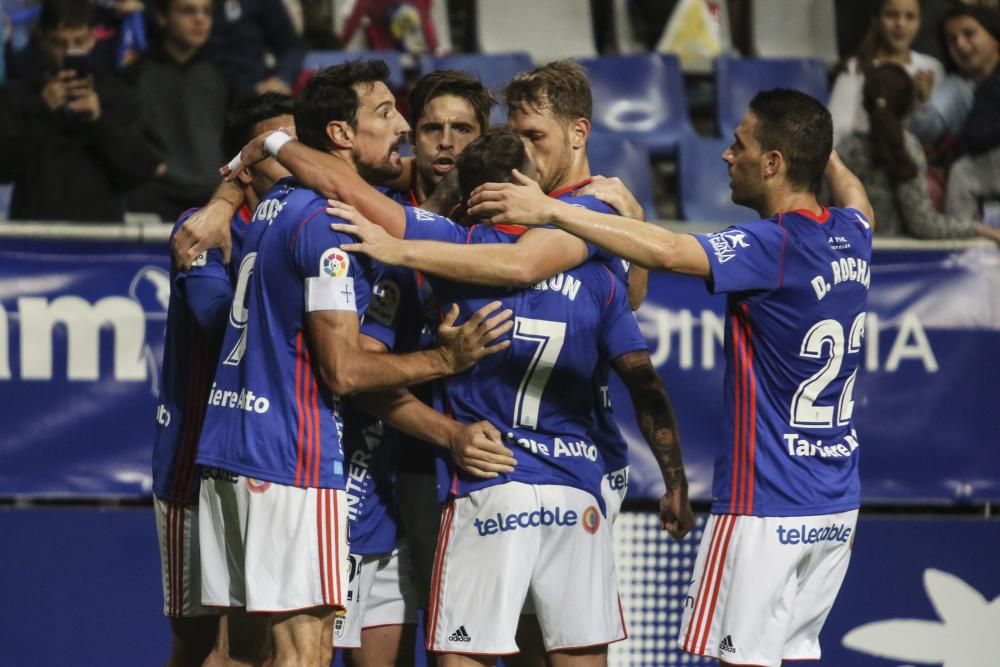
(353, 274)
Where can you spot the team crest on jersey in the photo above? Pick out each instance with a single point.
(340, 623)
(335, 263)
(591, 519)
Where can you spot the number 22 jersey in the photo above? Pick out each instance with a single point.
(797, 288)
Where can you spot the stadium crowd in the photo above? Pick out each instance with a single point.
(139, 130)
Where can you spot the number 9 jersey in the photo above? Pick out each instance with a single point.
(797, 287)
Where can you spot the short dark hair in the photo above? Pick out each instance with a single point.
(561, 86)
(455, 83)
(67, 13)
(490, 159)
(988, 17)
(242, 119)
(800, 128)
(330, 96)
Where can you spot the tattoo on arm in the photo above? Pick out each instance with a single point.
(654, 414)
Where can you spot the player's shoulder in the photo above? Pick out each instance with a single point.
(589, 202)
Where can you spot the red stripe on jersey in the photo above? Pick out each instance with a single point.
(698, 611)
(319, 544)
(737, 416)
(314, 416)
(169, 535)
(298, 408)
(718, 583)
(611, 294)
(570, 188)
(307, 416)
(752, 408)
(741, 501)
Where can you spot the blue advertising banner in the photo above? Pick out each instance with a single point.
(81, 335)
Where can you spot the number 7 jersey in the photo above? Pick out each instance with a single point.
(797, 288)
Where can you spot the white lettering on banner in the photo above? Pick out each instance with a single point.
(83, 322)
(674, 334)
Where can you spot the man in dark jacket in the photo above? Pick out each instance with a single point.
(70, 132)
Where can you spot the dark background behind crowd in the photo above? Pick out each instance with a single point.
(115, 108)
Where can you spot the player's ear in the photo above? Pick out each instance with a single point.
(340, 133)
(579, 130)
(773, 161)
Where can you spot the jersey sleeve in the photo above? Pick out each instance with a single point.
(619, 331)
(332, 277)
(208, 264)
(386, 307)
(617, 265)
(745, 257)
(424, 225)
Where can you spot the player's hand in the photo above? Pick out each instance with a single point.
(250, 155)
(465, 345)
(478, 449)
(205, 229)
(520, 203)
(676, 515)
(374, 241)
(613, 192)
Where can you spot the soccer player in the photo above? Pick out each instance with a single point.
(273, 523)
(558, 464)
(786, 488)
(200, 299)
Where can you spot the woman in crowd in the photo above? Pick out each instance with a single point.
(888, 40)
(890, 162)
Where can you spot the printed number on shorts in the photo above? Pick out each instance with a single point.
(238, 312)
(548, 338)
(827, 338)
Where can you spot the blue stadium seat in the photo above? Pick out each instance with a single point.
(737, 80)
(612, 155)
(495, 70)
(640, 97)
(321, 59)
(703, 183)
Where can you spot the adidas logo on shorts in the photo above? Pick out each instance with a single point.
(727, 645)
(460, 635)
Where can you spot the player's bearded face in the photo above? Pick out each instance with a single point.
(547, 142)
(379, 132)
(446, 126)
(743, 158)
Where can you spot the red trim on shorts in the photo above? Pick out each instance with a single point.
(718, 584)
(436, 584)
(387, 625)
(319, 544)
(298, 408)
(445, 652)
(708, 568)
(335, 560)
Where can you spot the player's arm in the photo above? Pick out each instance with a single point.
(346, 367)
(638, 285)
(208, 299)
(537, 255)
(649, 246)
(208, 227)
(847, 189)
(656, 420)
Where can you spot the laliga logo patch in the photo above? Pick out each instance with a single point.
(257, 486)
(591, 520)
(335, 263)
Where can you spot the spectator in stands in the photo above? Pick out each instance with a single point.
(890, 162)
(888, 40)
(72, 142)
(243, 33)
(394, 25)
(186, 97)
(973, 37)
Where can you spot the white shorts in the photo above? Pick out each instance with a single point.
(500, 544)
(380, 592)
(614, 486)
(270, 547)
(180, 560)
(762, 587)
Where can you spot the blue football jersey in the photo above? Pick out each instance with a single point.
(606, 433)
(190, 354)
(270, 416)
(797, 288)
(530, 391)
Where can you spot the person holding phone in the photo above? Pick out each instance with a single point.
(71, 135)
